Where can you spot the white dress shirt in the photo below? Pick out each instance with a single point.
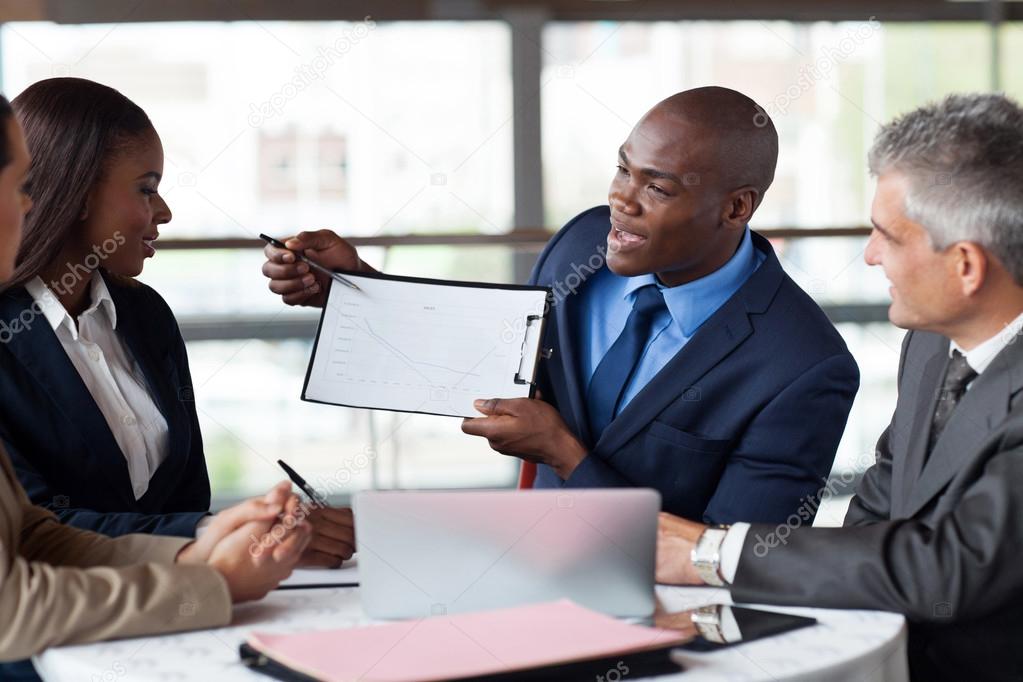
(978, 358)
(983, 353)
(113, 378)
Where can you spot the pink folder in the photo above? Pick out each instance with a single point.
(464, 645)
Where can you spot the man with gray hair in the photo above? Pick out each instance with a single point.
(935, 530)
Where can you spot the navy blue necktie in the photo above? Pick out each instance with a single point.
(619, 363)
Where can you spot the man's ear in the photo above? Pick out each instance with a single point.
(971, 263)
(740, 205)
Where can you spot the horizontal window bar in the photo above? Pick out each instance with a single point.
(524, 237)
(281, 327)
(119, 11)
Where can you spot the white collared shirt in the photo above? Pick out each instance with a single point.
(113, 378)
(982, 354)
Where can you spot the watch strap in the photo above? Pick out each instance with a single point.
(706, 555)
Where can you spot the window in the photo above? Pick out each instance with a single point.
(404, 128)
(413, 118)
(332, 170)
(276, 127)
(827, 87)
(278, 166)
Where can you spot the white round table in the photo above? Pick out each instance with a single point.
(864, 646)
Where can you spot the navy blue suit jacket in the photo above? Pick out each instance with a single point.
(742, 424)
(64, 453)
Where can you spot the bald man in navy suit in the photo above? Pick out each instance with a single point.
(684, 358)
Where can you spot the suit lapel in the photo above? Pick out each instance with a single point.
(983, 407)
(39, 350)
(712, 343)
(564, 370)
(152, 359)
(725, 330)
(906, 473)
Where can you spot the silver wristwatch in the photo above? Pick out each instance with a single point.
(706, 555)
(707, 620)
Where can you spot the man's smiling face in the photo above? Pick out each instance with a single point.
(925, 288)
(667, 202)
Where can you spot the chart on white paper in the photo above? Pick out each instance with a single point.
(420, 345)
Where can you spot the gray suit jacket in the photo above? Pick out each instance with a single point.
(938, 538)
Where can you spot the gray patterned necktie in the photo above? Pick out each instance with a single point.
(958, 375)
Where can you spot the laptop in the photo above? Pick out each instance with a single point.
(440, 552)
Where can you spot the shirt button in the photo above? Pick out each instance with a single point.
(94, 354)
(128, 420)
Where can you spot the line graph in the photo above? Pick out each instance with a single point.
(365, 353)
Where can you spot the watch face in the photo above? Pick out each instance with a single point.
(706, 556)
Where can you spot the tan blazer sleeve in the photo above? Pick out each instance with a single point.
(60, 585)
(44, 538)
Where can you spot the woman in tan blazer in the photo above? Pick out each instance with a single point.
(61, 585)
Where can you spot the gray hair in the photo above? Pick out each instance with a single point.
(963, 158)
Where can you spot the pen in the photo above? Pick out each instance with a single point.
(306, 488)
(315, 266)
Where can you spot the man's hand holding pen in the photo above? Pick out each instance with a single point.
(530, 429)
(295, 281)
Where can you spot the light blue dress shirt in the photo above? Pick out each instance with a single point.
(608, 298)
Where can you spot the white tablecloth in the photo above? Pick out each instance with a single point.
(860, 646)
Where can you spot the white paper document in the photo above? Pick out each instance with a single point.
(419, 345)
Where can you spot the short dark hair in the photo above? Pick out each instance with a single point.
(5, 145)
(73, 128)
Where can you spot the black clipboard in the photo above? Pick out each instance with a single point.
(530, 321)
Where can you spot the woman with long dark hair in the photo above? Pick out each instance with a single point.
(99, 417)
(61, 585)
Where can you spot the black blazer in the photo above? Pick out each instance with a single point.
(64, 453)
(741, 425)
